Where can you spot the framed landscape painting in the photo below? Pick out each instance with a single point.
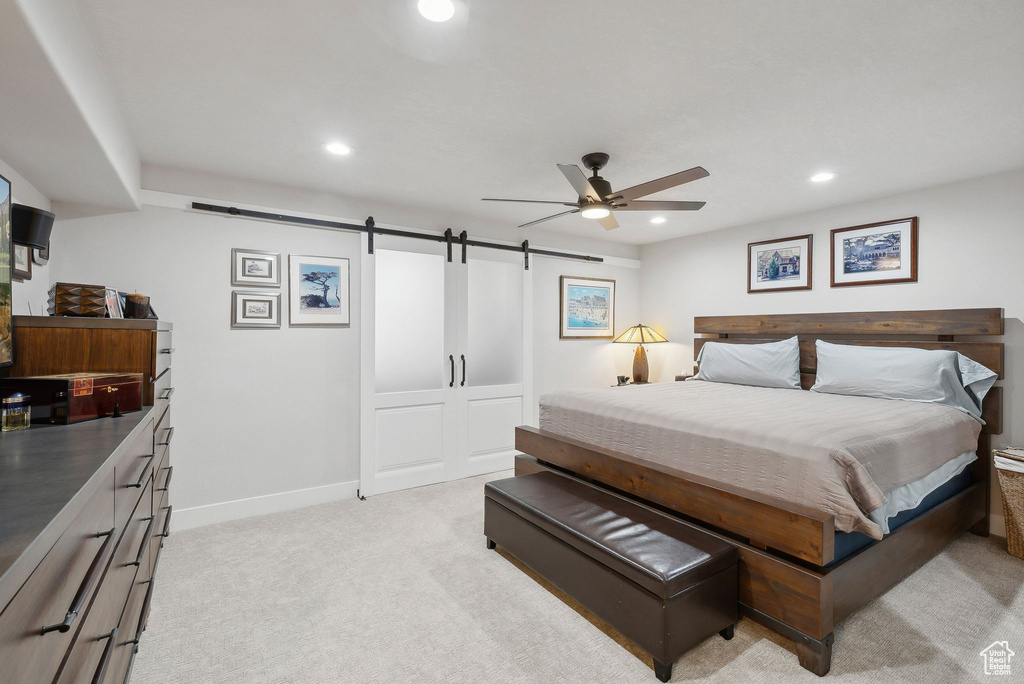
(255, 309)
(779, 265)
(587, 308)
(318, 291)
(875, 253)
(6, 263)
(255, 268)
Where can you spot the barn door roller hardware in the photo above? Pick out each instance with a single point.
(371, 229)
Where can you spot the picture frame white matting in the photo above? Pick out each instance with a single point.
(318, 291)
(255, 268)
(255, 309)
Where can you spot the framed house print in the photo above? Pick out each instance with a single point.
(253, 268)
(586, 308)
(250, 309)
(875, 253)
(779, 265)
(318, 291)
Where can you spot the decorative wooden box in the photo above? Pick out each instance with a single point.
(75, 299)
(74, 397)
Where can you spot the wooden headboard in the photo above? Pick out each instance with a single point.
(922, 329)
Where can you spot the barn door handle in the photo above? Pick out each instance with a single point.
(463, 383)
(451, 360)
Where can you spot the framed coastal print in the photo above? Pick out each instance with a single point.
(6, 259)
(586, 308)
(254, 268)
(22, 262)
(875, 253)
(253, 309)
(318, 291)
(779, 265)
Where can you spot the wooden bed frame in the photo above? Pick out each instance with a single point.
(783, 547)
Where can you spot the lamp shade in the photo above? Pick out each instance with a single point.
(31, 226)
(640, 334)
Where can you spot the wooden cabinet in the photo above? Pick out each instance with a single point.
(77, 574)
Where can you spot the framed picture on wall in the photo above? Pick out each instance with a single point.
(875, 253)
(251, 309)
(255, 268)
(6, 258)
(779, 265)
(318, 291)
(22, 262)
(586, 308)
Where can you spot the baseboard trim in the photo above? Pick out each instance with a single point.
(187, 518)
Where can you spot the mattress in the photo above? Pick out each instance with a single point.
(838, 454)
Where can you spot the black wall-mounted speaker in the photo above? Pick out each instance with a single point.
(31, 226)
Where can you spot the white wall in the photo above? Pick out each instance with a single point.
(30, 291)
(266, 416)
(971, 246)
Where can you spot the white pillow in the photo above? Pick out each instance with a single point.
(933, 376)
(774, 364)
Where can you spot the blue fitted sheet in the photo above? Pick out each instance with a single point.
(848, 542)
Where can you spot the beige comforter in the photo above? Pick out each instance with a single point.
(837, 454)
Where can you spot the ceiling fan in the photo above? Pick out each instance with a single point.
(598, 201)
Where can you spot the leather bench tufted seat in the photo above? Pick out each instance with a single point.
(663, 584)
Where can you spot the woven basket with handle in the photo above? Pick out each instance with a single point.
(1012, 486)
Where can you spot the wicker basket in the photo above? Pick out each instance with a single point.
(1012, 485)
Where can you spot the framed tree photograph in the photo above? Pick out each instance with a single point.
(875, 253)
(586, 308)
(254, 309)
(318, 291)
(779, 265)
(254, 268)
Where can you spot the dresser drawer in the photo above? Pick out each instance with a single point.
(94, 648)
(163, 390)
(162, 528)
(164, 431)
(164, 352)
(58, 593)
(133, 622)
(131, 474)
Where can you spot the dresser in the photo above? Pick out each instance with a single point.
(84, 509)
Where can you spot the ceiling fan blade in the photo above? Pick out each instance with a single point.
(548, 218)
(651, 187)
(609, 222)
(493, 199)
(579, 182)
(641, 205)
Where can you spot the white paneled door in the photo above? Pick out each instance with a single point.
(445, 349)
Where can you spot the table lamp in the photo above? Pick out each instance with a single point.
(640, 335)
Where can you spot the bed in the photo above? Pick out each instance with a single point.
(779, 473)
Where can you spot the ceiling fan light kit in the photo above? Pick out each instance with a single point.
(596, 199)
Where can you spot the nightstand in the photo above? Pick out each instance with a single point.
(680, 378)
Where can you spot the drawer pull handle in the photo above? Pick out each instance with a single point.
(144, 617)
(143, 477)
(167, 523)
(167, 482)
(108, 650)
(170, 436)
(145, 542)
(167, 393)
(83, 590)
(167, 350)
(131, 660)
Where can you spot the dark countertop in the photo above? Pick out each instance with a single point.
(47, 474)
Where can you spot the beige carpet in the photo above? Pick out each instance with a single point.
(400, 588)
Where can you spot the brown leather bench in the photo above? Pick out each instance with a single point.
(661, 583)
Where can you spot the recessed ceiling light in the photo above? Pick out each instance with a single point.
(338, 148)
(822, 177)
(596, 211)
(436, 10)
(658, 219)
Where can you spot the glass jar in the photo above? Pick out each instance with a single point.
(16, 412)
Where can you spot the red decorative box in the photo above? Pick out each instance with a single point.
(74, 397)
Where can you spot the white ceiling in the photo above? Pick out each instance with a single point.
(890, 95)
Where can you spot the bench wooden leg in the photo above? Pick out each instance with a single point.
(815, 655)
(490, 544)
(729, 632)
(661, 671)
